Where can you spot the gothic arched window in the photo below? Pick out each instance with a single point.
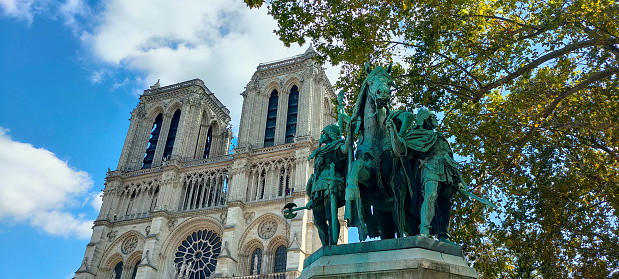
(152, 142)
(269, 132)
(207, 146)
(293, 108)
(135, 270)
(153, 202)
(284, 183)
(196, 257)
(118, 271)
(262, 185)
(280, 259)
(256, 262)
(169, 144)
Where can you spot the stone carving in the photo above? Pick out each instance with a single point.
(156, 85)
(223, 216)
(111, 235)
(171, 223)
(267, 229)
(147, 230)
(129, 244)
(248, 216)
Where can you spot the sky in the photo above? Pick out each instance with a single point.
(71, 71)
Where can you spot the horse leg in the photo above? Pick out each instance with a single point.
(357, 207)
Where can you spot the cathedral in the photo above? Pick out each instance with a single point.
(181, 205)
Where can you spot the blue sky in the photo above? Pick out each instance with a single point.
(71, 71)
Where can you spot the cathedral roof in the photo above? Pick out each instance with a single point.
(309, 53)
(157, 90)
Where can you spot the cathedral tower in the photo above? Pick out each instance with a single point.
(180, 205)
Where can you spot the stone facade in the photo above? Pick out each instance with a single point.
(189, 209)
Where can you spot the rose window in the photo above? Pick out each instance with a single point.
(196, 257)
(267, 229)
(129, 244)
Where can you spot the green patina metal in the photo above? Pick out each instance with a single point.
(394, 172)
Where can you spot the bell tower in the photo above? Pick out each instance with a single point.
(285, 106)
(184, 120)
(180, 205)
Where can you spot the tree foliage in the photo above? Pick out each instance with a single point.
(531, 100)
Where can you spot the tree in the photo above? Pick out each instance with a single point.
(531, 100)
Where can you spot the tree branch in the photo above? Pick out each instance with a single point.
(591, 79)
(508, 20)
(520, 71)
(550, 108)
(454, 62)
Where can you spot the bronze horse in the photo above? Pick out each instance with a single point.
(380, 185)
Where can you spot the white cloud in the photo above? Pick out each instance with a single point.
(27, 10)
(20, 9)
(71, 11)
(62, 223)
(37, 187)
(97, 201)
(219, 41)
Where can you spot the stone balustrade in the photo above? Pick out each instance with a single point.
(280, 275)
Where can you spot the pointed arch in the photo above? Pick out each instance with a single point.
(206, 130)
(291, 118)
(269, 132)
(211, 147)
(169, 144)
(152, 142)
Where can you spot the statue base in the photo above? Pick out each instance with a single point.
(409, 257)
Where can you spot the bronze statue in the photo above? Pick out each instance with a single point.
(325, 186)
(399, 173)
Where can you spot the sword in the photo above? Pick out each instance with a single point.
(484, 201)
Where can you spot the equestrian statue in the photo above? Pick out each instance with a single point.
(393, 172)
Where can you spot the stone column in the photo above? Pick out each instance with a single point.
(228, 261)
(148, 267)
(237, 184)
(187, 133)
(92, 260)
(169, 192)
(129, 147)
(163, 137)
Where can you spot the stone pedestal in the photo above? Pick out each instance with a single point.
(411, 257)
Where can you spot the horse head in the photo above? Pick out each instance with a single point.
(378, 84)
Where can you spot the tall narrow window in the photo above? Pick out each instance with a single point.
(262, 185)
(269, 133)
(256, 262)
(293, 108)
(135, 270)
(209, 139)
(118, 271)
(153, 202)
(169, 144)
(280, 259)
(152, 142)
